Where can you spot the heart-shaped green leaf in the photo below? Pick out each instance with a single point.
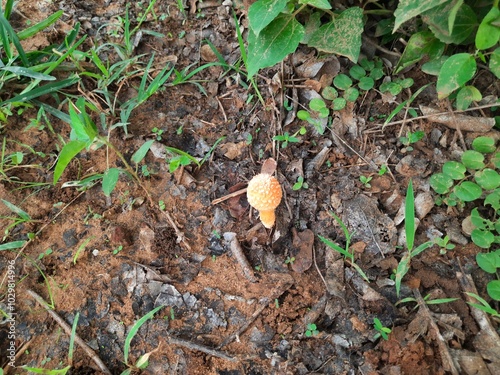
(456, 71)
(468, 191)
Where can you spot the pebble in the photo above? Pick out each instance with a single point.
(69, 237)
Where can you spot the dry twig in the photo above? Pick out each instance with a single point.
(67, 329)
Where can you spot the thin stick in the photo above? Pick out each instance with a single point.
(229, 196)
(201, 348)
(240, 256)
(87, 349)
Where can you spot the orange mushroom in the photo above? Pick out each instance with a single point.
(264, 194)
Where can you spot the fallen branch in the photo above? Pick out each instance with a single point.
(201, 348)
(235, 247)
(87, 349)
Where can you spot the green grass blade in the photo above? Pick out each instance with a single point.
(43, 90)
(26, 72)
(47, 371)
(35, 29)
(410, 217)
(8, 8)
(19, 212)
(141, 152)
(183, 153)
(14, 38)
(69, 151)
(422, 247)
(135, 328)
(401, 271)
(336, 247)
(12, 245)
(4, 38)
(72, 339)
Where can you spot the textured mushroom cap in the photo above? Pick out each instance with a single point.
(264, 192)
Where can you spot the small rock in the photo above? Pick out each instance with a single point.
(410, 166)
(69, 237)
(424, 202)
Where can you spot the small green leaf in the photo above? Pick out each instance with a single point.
(141, 152)
(487, 178)
(263, 12)
(493, 289)
(473, 159)
(357, 72)
(303, 115)
(329, 93)
(466, 95)
(478, 221)
(496, 160)
(441, 183)
(406, 83)
(18, 211)
(488, 262)
(342, 82)
(366, 83)
(488, 33)
(493, 199)
(419, 45)
(468, 191)
(484, 144)
(317, 104)
(341, 36)
(351, 94)
(433, 67)
(454, 169)
(320, 4)
(109, 180)
(339, 104)
(68, 152)
(12, 245)
(455, 72)
(407, 9)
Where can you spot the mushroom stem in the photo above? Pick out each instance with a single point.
(267, 218)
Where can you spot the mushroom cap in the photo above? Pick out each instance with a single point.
(264, 192)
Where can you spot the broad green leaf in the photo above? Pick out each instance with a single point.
(312, 24)
(407, 9)
(321, 4)
(456, 71)
(488, 33)
(468, 191)
(274, 43)
(453, 14)
(482, 238)
(441, 183)
(473, 159)
(68, 152)
(494, 64)
(342, 36)
(263, 12)
(484, 144)
(488, 262)
(487, 178)
(342, 82)
(18, 211)
(496, 160)
(141, 152)
(465, 23)
(433, 67)
(493, 289)
(493, 199)
(77, 124)
(466, 95)
(109, 180)
(419, 45)
(454, 169)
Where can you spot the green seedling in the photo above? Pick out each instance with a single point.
(21, 217)
(300, 184)
(366, 181)
(382, 170)
(427, 301)
(157, 133)
(474, 177)
(118, 249)
(382, 331)
(81, 248)
(286, 138)
(483, 305)
(344, 251)
(143, 361)
(411, 137)
(444, 244)
(276, 303)
(490, 263)
(289, 260)
(311, 330)
(317, 115)
(45, 253)
(404, 263)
